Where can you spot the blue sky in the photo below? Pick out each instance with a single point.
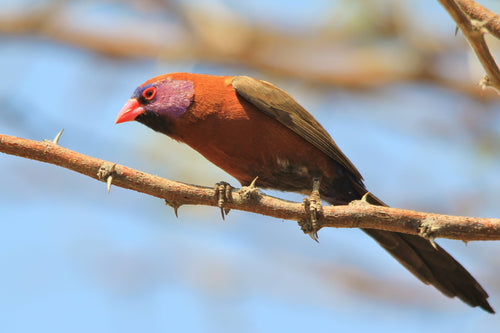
(76, 258)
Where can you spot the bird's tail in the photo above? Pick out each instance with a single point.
(431, 264)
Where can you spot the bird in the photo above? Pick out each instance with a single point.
(250, 128)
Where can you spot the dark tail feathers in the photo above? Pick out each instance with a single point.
(432, 265)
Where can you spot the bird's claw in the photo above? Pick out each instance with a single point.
(314, 209)
(222, 194)
(313, 235)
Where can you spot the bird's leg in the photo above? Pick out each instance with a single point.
(314, 209)
(222, 194)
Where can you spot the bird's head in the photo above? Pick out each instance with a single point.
(157, 102)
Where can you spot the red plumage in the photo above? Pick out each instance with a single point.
(251, 128)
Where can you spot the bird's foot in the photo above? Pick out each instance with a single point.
(250, 192)
(314, 209)
(222, 194)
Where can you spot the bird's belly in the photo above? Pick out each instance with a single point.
(247, 144)
(281, 162)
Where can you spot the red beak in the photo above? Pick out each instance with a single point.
(130, 111)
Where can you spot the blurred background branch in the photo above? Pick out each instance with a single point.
(475, 21)
(389, 81)
(322, 55)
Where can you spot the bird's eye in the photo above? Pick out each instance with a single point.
(149, 93)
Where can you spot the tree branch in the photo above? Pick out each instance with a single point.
(358, 214)
(475, 21)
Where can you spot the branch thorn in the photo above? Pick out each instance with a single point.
(56, 139)
(431, 240)
(364, 198)
(106, 172)
(175, 205)
(250, 191)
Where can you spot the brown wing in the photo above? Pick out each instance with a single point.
(279, 105)
(432, 265)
